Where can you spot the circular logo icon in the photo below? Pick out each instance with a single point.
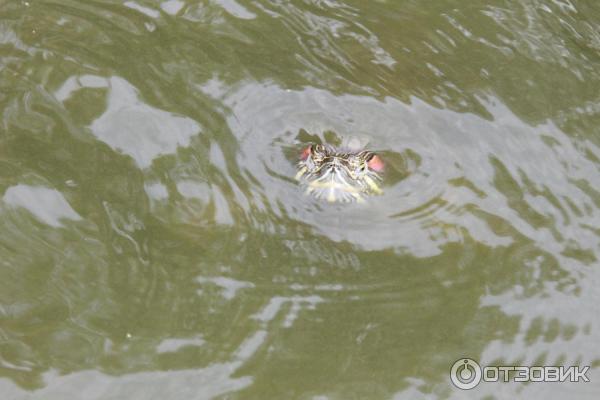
(465, 374)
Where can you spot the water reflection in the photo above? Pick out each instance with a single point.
(454, 190)
(131, 126)
(154, 243)
(172, 6)
(48, 205)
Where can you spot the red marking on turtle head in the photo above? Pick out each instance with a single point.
(306, 152)
(375, 163)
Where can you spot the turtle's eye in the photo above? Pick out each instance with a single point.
(360, 166)
(357, 163)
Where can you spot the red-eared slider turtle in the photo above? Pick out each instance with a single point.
(339, 175)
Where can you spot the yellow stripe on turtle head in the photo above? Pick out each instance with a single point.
(373, 185)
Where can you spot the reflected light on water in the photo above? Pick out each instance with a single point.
(154, 242)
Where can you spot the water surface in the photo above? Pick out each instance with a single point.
(154, 245)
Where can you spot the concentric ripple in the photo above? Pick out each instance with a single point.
(154, 242)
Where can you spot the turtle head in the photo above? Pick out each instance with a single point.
(337, 175)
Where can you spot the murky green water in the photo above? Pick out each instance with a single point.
(154, 245)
